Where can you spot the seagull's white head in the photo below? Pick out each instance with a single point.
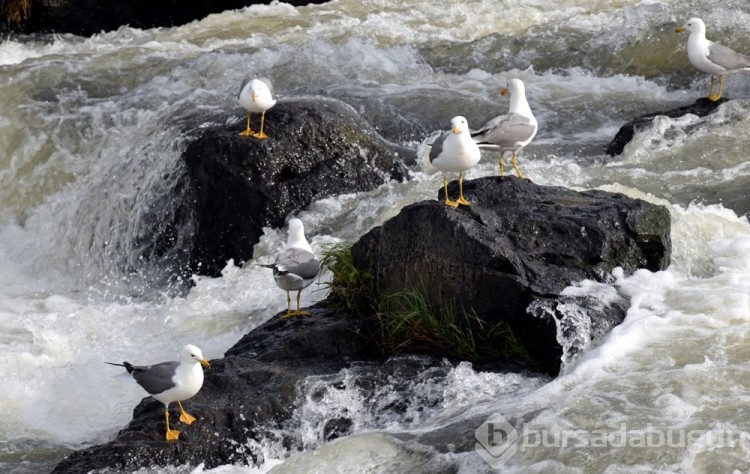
(260, 88)
(296, 238)
(693, 25)
(459, 125)
(515, 87)
(190, 353)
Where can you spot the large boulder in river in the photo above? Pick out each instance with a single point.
(317, 148)
(511, 254)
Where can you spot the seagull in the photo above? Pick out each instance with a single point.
(172, 382)
(256, 96)
(512, 131)
(296, 267)
(712, 58)
(455, 151)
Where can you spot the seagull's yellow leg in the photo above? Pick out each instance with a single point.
(718, 94)
(300, 312)
(461, 199)
(711, 87)
(185, 417)
(172, 435)
(248, 131)
(515, 166)
(288, 307)
(448, 202)
(501, 164)
(260, 135)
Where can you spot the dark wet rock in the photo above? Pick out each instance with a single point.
(246, 395)
(700, 107)
(518, 243)
(88, 17)
(336, 428)
(317, 148)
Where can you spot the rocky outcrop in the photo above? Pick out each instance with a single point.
(317, 148)
(88, 17)
(245, 395)
(509, 256)
(700, 107)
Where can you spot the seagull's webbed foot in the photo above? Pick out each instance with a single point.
(171, 435)
(451, 203)
(714, 97)
(185, 417)
(248, 132)
(300, 313)
(463, 201)
(260, 135)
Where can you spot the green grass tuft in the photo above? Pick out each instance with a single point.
(408, 322)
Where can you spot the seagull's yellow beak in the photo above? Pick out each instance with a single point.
(679, 29)
(254, 95)
(456, 130)
(505, 91)
(204, 363)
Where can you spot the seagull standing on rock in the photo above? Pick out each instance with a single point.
(712, 58)
(172, 381)
(296, 267)
(455, 151)
(512, 131)
(256, 95)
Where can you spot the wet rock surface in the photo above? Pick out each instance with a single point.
(518, 243)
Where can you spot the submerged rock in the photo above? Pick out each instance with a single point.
(517, 244)
(317, 148)
(700, 107)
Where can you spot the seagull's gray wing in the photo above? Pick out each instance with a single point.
(437, 146)
(505, 131)
(156, 378)
(244, 83)
(727, 58)
(298, 262)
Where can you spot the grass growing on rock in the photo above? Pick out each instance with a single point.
(408, 322)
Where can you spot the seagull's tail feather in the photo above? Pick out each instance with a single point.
(128, 366)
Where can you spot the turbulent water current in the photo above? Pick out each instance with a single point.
(91, 134)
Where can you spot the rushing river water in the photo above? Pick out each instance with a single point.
(91, 135)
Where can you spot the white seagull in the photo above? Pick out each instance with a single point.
(256, 95)
(296, 267)
(172, 381)
(710, 57)
(512, 131)
(455, 151)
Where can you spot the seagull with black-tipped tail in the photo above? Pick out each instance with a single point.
(295, 267)
(512, 131)
(172, 381)
(256, 96)
(712, 58)
(455, 151)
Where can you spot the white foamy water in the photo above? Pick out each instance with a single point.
(92, 131)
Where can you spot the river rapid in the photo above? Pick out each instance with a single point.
(92, 132)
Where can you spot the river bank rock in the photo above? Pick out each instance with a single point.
(317, 148)
(700, 107)
(511, 254)
(88, 17)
